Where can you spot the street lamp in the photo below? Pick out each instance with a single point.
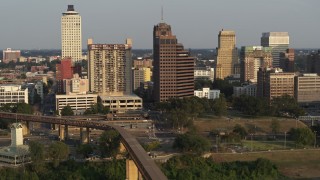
(217, 142)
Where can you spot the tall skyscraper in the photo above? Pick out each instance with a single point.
(227, 54)
(173, 72)
(279, 41)
(251, 59)
(109, 68)
(71, 34)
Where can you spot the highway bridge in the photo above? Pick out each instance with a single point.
(147, 169)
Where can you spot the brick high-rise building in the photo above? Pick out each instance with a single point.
(173, 71)
(287, 60)
(64, 70)
(274, 83)
(10, 55)
(71, 39)
(227, 54)
(110, 68)
(251, 59)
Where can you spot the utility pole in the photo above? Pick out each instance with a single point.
(217, 143)
(315, 139)
(251, 142)
(285, 139)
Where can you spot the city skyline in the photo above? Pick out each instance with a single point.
(37, 25)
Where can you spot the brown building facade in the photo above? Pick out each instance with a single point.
(173, 71)
(227, 54)
(287, 60)
(307, 88)
(251, 59)
(274, 83)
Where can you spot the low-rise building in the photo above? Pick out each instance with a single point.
(204, 73)
(13, 94)
(274, 83)
(121, 104)
(75, 85)
(307, 88)
(78, 102)
(207, 93)
(248, 90)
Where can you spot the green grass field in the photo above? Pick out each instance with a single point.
(260, 125)
(268, 145)
(292, 163)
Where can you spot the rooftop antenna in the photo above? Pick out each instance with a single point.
(161, 13)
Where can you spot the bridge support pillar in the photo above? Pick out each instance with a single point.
(66, 134)
(53, 126)
(84, 135)
(122, 149)
(132, 172)
(26, 128)
(61, 132)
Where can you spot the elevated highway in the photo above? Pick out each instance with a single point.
(146, 166)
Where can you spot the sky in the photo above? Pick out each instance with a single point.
(35, 24)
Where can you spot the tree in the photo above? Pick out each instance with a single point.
(302, 136)
(201, 83)
(85, 150)
(220, 106)
(275, 126)
(190, 142)
(286, 106)
(37, 155)
(151, 146)
(109, 143)
(241, 131)
(58, 151)
(67, 111)
(197, 167)
(253, 106)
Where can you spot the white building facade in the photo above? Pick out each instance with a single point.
(71, 34)
(248, 90)
(78, 102)
(207, 93)
(12, 94)
(204, 72)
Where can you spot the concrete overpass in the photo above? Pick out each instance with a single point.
(139, 166)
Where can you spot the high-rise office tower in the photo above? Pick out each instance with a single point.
(287, 60)
(279, 41)
(251, 59)
(173, 71)
(109, 68)
(227, 54)
(71, 34)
